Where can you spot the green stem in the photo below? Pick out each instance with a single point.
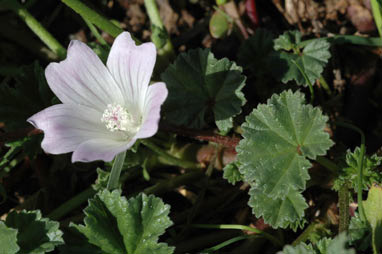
(334, 168)
(360, 166)
(226, 243)
(325, 85)
(307, 232)
(116, 171)
(169, 158)
(96, 34)
(306, 79)
(93, 17)
(159, 34)
(343, 196)
(37, 28)
(240, 227)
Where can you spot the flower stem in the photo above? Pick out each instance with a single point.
(93, 17)
(116, 171)
(361, 158)
(169, 158)
(37, 28)
(240, 227)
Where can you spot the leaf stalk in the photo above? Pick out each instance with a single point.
(240, 227)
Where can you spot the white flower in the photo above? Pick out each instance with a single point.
(104, 109)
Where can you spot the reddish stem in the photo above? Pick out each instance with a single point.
(202, 135)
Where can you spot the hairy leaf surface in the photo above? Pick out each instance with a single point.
(278, 138)
(202, 87)
(279, 213)
(36, 235)
(133, 226)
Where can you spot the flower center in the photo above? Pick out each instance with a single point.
(117, 118)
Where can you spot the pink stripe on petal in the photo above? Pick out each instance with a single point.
(156, 95)
(100, 149)
(83, 79)
(131, 67)
(67, 126)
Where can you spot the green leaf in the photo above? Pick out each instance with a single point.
(255, 53)
(102, 179)
(301, 248)
(133, 226)
(334, 246)
(8, 240)
(279, 213)
(27, 96)
(219, 24)
(359, 233)
(278, 138)
(36, 235)
(370, 175)
(373, 208)
(288, 41)
(203, 89)
(311, 59)
(324, 246)
(232, 173)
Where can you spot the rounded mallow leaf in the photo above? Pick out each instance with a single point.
(279, 137)
(203, 89)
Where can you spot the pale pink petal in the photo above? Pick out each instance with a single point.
(67, 126)
(131, 67)
(83, 79)
(156, 95)
(100, 149)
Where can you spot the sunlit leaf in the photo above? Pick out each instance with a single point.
(334, 246)
(311, 58)
(36, 235)
(278, 138)
(8, 240)
(301, 248)
(232, 174)
(324, 246)
(202, 90)
(373, 208)
(133, 226)
(279, 213)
